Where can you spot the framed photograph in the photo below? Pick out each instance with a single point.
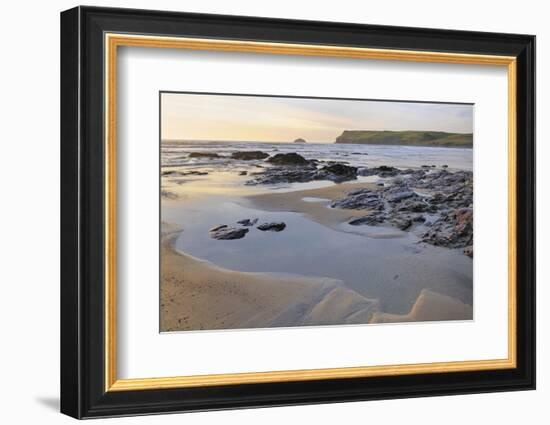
(261, 212)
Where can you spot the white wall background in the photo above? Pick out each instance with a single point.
(29, 216)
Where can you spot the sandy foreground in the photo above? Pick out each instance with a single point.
(197, 295)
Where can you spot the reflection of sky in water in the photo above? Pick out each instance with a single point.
(392, 269)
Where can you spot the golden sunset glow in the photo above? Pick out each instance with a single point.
(283, 119)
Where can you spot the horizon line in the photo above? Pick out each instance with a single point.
(293, 141)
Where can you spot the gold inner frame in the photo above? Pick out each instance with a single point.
(113, 41)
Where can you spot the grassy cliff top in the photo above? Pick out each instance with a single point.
(413, 138)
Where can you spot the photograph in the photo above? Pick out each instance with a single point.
(284, 211)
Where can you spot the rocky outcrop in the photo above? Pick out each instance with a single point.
(442, 217)
(247, 222)
(299, 140)
(275, 226)
(288, 159)
(173, 173)
(336, 172)
(203, 155)
(290, 174)
(359, 200)
(249, 155)
(382, 171)
(452, 230)
(310, 171)
(225, 232)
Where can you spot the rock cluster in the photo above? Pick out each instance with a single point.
(444, 212)
(294, 168)
(288, 159)
(249, 155)
(225, 232)
(203, 155)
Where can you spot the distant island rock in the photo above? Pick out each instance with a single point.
(410, 138)
(300, 141)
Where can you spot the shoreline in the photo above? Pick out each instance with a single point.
(245, 300)
(319, 212)
(239, 300)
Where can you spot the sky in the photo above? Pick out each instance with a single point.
(283, 119)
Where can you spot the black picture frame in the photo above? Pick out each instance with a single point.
(83, 392)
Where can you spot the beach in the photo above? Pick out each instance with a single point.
(353, 235)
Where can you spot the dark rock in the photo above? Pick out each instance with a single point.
(453, 230)
(274, 175)
(371, 219)
(308, 172)
(398, 194)
(419, 218)
(243, 173)
(185, 173)
(247, 222)
(170, 173)
(203, 155)
(401, 223)
(445, 210)
(359, 199)
(382, 171)
(249, 155)
(218, 227)
(337, 172)
(275, 226)
(414, 206)
(444, 166)
(224, 232)
(299, 141)
(288, 159)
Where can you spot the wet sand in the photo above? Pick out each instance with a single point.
(197, 295)
(429, 306)
(317, 211)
